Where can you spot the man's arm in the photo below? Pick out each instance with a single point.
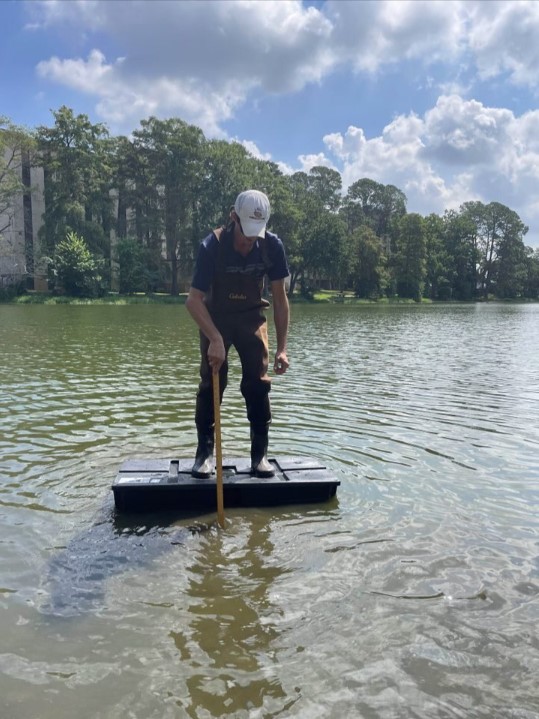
(199, 312)
(281, 317)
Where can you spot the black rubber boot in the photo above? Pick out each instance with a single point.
(260, 467)
(204, 465)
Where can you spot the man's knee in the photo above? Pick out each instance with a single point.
(258, 405)
(255, 387)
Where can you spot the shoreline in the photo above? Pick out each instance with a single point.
(322, 297)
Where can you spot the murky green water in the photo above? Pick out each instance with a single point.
(413, 594)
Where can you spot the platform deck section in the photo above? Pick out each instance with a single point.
(150, 484)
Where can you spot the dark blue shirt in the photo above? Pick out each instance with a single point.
(273, 263)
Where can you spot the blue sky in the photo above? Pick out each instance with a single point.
(437, 98)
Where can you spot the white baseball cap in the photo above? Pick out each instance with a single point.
(253, 209)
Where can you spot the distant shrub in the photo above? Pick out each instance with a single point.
(75, 268)
(135, 266)
(11, 290)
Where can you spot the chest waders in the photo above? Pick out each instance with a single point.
(236, 307)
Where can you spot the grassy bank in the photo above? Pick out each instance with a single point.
(36, 298)
(322, 297)
(348, 298)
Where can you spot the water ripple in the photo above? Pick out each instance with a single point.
(412, 593)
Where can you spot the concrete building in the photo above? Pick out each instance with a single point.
(20, 256)
(21, 259)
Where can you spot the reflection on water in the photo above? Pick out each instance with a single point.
(114, 543)
(229, 634)
(413, 593)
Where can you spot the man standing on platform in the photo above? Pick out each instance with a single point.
(226, 302)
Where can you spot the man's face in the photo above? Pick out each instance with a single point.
(242, 243)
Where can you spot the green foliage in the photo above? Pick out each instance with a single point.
(409, 258)
(314, 233)
(437, 284)
(75, 268)
(459, 246)
(10, 292)
(138, 271)
(370, 203)
(325, 185)
(531, 282)
(173, 155)
(162, 190)
(36, 298)
(15, 144)
(498, 242)
(77, 160)
(369, 275)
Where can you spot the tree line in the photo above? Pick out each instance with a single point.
(138, 207)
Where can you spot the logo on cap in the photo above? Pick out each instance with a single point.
(257, 215)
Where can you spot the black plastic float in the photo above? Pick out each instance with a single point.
(150, 484)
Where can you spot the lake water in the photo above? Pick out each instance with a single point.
(415, 593)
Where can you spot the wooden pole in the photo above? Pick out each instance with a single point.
(218, 450)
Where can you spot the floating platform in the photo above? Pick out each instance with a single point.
(150, 484)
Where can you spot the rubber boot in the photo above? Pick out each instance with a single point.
(260, 467)
(203, 466)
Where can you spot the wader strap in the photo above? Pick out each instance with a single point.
(225, 234)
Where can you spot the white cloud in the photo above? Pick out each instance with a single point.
(203, 61)
(218, 52)
(254, 150)
(45, 14)
(459, 150)
(124, 103)
(196, 59)
(92, 76)
(373, 34)
(318, 160)
(465, 132)
(503, 37)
